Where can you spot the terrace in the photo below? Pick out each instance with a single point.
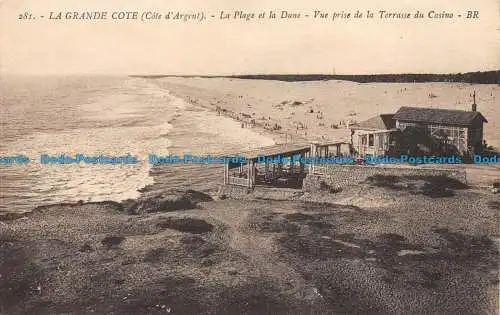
(280, 165)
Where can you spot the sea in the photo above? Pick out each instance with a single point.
(98, 115)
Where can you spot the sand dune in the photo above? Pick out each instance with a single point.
(420, 255)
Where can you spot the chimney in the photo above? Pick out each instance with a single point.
(474, 105)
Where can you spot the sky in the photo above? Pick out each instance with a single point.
(224, 47)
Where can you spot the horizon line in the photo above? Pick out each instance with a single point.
(317, 74)
(244, 74)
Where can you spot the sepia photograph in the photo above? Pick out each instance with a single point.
(233, 157)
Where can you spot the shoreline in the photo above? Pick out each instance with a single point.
(214, 102)
(206, 104)
(198, 130)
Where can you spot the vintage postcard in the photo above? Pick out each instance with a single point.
(249, 157)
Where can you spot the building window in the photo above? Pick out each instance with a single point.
(363, 140)
(381, 141)
(370, 140)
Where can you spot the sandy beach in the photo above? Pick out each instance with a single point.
(315, 110)
(389, 246)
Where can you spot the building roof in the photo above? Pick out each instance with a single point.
(277, 149)
(438, 116)
(380, 122)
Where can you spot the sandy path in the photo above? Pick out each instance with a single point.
(262, 254)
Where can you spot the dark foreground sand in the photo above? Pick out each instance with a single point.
(417, 253)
